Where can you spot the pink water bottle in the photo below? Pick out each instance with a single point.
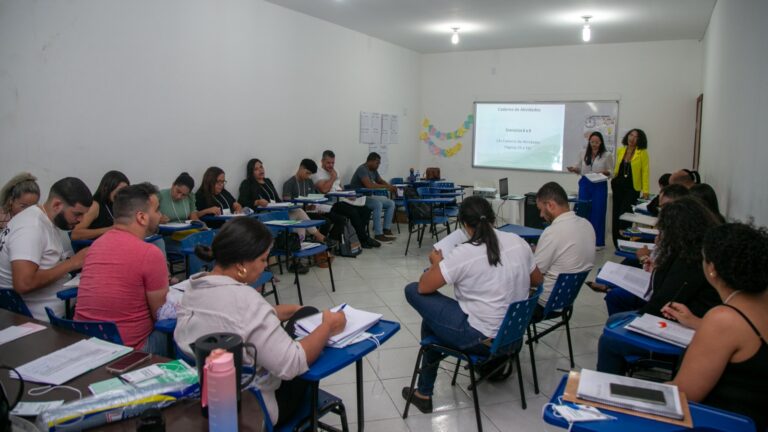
(220, 391)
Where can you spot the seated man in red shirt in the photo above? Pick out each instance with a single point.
(125, 279)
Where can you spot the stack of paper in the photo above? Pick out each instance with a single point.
(15, 332)
(632, 247)
(618, 391)
(279, 204)
(308, 245)
(639, 218)
(358, 322)
(596, 177)
(662, 329)
(632, 279)
(69, 362)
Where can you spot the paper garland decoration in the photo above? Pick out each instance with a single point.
(432, 132)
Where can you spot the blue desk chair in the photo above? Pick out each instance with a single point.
(419, 225)
(188, 244)
(104, 330)
(297, 255)
(12, 301)
(559, 305)
(507, 344)
(261, 284)
(67, 295)
(399, 202)
(326, 403)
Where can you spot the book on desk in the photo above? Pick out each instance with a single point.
(632, 279)
(358, 322)
(662, 329)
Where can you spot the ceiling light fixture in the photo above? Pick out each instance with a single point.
(455, 36)
(586, 32)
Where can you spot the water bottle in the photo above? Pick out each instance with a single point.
(418, 176)
(220, 391)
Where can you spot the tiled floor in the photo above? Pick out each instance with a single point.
(374, 281)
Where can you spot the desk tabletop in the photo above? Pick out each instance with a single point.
(300, 200)
(523, 231)
(432, 200)
(284, 206)
(184, 416)
(333, 360)
(703, 416)
(168, 228)
(309, 223)
(226, 217)
(620, 332)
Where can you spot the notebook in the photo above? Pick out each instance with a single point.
(358, 321)
(630, 393)
(596, 177)
(632, 247)
(662, 329)
(630, 278)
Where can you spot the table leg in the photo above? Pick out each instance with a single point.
(67, 311)
(315, 390)
(360, 407)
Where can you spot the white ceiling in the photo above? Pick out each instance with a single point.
(425, 25)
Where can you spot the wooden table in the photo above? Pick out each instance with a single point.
(183, 416)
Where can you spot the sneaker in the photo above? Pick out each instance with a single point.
(366, 245)
(389, 233)
(371, 243)
(384, 238)
(298, 268)
(423, 405)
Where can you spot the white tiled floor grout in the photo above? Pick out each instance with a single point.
(375, 281)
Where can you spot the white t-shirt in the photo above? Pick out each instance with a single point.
(322, 175)
(31, 236)
(484, 292)
(566, 246)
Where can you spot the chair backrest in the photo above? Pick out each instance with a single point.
(442, 184)
(583, 208)
(515, 323)
(270, 216)
(12, 301)
(396, 180)
(204, 238)
(423, 190)
(564, 292)
(267, 421)
(104, 330)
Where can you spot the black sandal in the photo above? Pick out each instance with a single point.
(598, 287)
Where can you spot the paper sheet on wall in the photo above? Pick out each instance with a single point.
(394, 135)
(375, 128)
(365, 127)
(385, 122)
(383, 151)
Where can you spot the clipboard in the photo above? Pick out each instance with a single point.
(572, 385)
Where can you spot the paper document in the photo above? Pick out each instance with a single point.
(15, 332)
(308, 245)
(632, 279)
(449, 242)
(632, 246)
(32, 409)
(358, 321)
(643, 207)
(72, 283)
(279, 204)
(175, 225)
(312, 197)
(639, 218)
(281, 222)
(662, 329)
(596, 177)
(69, 362)
(651, 231)
(597, 387)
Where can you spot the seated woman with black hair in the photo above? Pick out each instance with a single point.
(726, 364)
(707, 195)
(212, 198)
(223, 301)
(490, 270)
(177, 203)
(100, 216)
(677, 276)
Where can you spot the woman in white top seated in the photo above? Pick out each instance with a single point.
(595, 159)
(223, 301)
(489, 270)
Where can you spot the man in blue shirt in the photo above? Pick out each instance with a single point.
(367, 176)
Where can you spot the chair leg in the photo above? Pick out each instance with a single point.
(408, 244)
(456, 372)
(475, 398)
(533, 361)
(413, 381)
(274, 291)
(568, 336)
(520, 380)
(343, 415)
(330, 272)
(296, 280)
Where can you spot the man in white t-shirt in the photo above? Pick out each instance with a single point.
(326, 180)
(567, 244)
(33, 258)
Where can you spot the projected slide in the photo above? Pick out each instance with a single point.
(519, 136)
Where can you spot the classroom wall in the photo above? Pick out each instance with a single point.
(734, 150)
(656, 82)
(153, 88)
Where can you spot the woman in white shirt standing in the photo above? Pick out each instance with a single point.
(595, 159)
(489, 270)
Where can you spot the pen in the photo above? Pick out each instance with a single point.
(341, 308)
(679, 290)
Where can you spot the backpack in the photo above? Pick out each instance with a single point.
(417, 210)
(349, 246)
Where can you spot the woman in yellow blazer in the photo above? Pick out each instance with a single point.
(630, 179)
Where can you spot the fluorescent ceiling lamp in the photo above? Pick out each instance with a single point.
(586, 32)
(455, 36)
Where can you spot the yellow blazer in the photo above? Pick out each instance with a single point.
(640, 168)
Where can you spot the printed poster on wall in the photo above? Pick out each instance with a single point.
(365, 127)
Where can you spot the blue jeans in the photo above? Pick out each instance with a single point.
(611, 351)
(376, 203)
(619, 300)
(157, 343)
(443, 319)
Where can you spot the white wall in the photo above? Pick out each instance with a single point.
(153, 88)
(734, 154)
(657, 84)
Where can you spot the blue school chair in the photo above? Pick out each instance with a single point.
(12, 301)
(104, 330)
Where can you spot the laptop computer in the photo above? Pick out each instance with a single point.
(503, 188)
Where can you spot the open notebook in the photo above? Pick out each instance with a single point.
(630, 393)
(629, 278)
(358, 321)
(662, 329)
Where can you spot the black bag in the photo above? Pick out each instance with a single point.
(349, 246)
(287, 242)
(417, 210)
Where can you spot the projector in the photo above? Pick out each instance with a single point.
(485, 192)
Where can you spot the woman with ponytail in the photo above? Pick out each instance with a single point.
(489, 270)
